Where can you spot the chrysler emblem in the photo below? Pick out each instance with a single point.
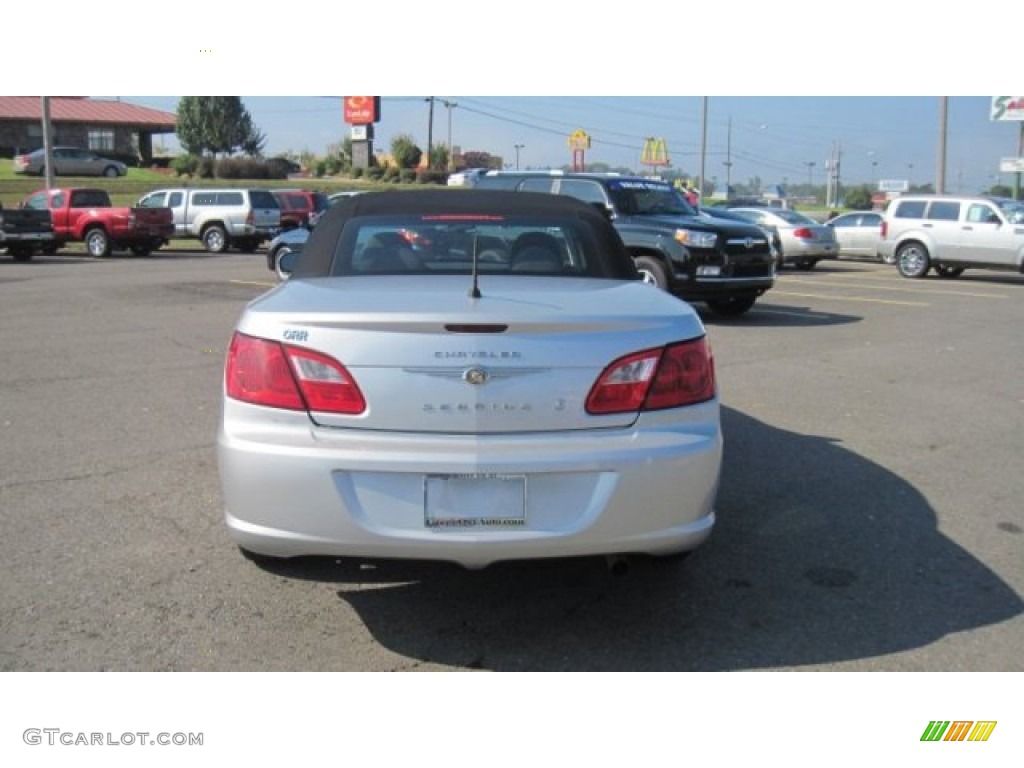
(475, 376)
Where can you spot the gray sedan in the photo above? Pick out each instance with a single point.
(804, 241)
(69, 161)
(858, 233)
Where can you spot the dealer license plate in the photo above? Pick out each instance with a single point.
(474, 501)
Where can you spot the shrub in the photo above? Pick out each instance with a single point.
(407, 175)
(332, 165)
(375, 172)
(357, 173)
(184, 165)
(320, 168)
(280, 167)
(204, 167)
(431, 177)
(859, 198)
(405, 152)
(391, 173)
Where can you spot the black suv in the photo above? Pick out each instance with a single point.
(724, 264)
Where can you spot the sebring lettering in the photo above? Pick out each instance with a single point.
(473, 355)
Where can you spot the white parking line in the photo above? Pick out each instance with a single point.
(833, 297)
(932, 290)
(253, 282)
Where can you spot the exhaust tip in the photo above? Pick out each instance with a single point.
(618, 565)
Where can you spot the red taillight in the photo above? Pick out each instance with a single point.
(250, 219)
(885, 229)
(265, 372)
(803, 233)
(670, 377)
(325, 383)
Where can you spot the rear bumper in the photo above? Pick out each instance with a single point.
(799, 251)
(293, 490)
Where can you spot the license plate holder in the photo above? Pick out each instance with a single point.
(474, 502)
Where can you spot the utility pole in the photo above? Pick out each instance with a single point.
(839, 163)
(518, 147)
(47, 143)
(451, 153)
(728, 157)
(1020, 153)
(830, 169)
(940, 165)
(703, 148)
(430, 132)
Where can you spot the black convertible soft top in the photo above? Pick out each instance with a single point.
(319, 251)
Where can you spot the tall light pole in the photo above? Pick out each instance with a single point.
(728, 157)
(451, 152)
(940, 171)
(810, 172)
(703, 147)
(47, 143)
(518, 147)
(430, 132)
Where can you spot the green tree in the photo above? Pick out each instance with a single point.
(439, 156)
(475, 159)
(217, 124)
(405, 152)
(858, 198)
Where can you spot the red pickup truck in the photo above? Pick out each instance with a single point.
(87, 215)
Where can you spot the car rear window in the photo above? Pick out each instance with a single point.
(261, 198)
(446, 244)
(217, 198)
(90, 198)
(794, 218)
(639, 197)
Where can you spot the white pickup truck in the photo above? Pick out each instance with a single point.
(221, 218)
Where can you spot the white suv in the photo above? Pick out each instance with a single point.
(950, 233)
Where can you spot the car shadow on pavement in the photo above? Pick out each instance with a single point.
(777, 316)
(819, 557)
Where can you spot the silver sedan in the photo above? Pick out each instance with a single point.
(858, 233)
(69, 161)
(468, 377)
(804, 242)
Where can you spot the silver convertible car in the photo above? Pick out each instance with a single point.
(470, 376)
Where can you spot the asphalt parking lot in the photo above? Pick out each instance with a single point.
(869, 513)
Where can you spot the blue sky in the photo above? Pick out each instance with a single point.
(796, 77)
(775, 138)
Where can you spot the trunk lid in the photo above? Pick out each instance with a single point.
(427, 358)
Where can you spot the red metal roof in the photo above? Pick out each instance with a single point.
(74, 109)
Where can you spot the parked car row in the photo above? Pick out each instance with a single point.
(800, 240)
(945, 234)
